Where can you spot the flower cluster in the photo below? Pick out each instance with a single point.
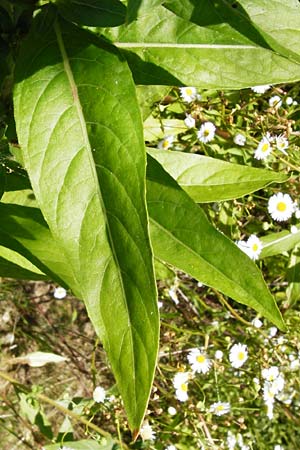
(268, 143)
(252, 247)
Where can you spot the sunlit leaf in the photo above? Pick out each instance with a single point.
(82, 141)
(182, 236)
(211, 180)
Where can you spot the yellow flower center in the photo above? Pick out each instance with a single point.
(255, 247)
(281, 206)
(265, 147)
(220, 408)
(200, 359)
(206, 132)
(189, 91)
(241, 356)
(184, 387)
(165, 144)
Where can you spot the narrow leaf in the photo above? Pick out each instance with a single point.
(94, 13)
(14, 265)
(83, 147)
(182, 236)
(178, 52)
(276, 243)
(211, 180)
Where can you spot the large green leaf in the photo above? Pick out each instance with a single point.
(83, 147)
(211, 180)
(95, 13)
(182, 236)
(136, 8)
(275, 243)
(274, 25)
(24, 231)
(163, 48)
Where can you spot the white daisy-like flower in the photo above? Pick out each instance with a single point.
(280, 206)
(199, 361)
(289, 101)
(219, 355)
(188, 94)
(255, 247)
(180, 384)
(270, 374)
(220, 408)
(277, 385)
(238, 355)
(172, 411)
(295, 365)
(257, 323)
(59, 293)
(146, 432)
(166, 143)
(239, 139)
(261, 89)
(282, 143)
(268, 393)
(264, 147)
(273, 331)
(278, 447)
(189, 121)
(170, 447)
(206, 132)
(275, 102)
(99, 394)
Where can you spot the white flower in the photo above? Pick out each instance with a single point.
(289, 101)
(239, 139)
(231, 440)
(264, 147)
(270, 408)
(173, 295)
(99, 394)
(170, 447)
(282, 143)
(59, 293)
(206, 132)
(272, 331)
(268, 393)
(188, 94)
(166, 143)
(278, 447)
(146, 432)
(261, 89)
(189, 121)
(275, 102)
(255, 247)
(270, 374)
(180, 384)
(280, 206)
(277, 385)
(257, 323)
(172, 411)
(238, 355)
(219, 355)
(66, 448)
(199, 361)
(295, 365)
(220, 408)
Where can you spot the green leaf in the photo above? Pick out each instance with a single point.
(86, 444)
(162, 271)
(14, 265)
(162, 48)
(94, 13)
(2, 180)
(272, 25)
(23, 230)
(276, 243)
(136, 8)
(293, 276)
(211, 180)
(82, 140)
(182, 236)
(156, 129)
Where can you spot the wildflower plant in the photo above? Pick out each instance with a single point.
(106, 213)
